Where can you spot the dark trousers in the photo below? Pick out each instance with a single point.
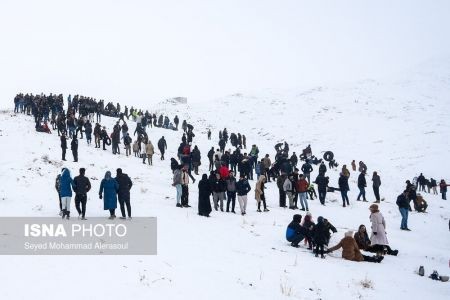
(112, 212)
(63, 153)
(211, 164)
(60, 204)
(444, 195)
(344, 197)
(184, 195)
(376, 191)
(322, 196)
(231, 197)
(124, 203)
(79, 129)
(81, 199)
(296, 239)
(319, 247)
(263, 200)
(295, 198)
(282, 198)
(75, 155)
(362, 192)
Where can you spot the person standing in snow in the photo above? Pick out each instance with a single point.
(319, 234)
(376, 183)
(259, 193)
(63, 145)
(123, 192)
(109, 188)
(403, 206)
(280, 182)
(57, 187)
(219, 187)
(185, 187)
(443, 189)
(302, 188)
(162, 146)
(204, 191)
(81, 186)
(306, 170)
(176, 182)
(288, 189)
(127, 142)
(231, 192)
(242, 189)
(74, 148)
(65, 190)
(378, 236)
(344, 187)
(149, 151)
(362, 186)
(322, 184)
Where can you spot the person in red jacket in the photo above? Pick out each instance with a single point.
(224, 171)
(302, 188)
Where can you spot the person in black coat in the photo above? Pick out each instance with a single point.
(322, 184)
(343, 186)
(74, 148)
(63, 145)
(162, 146)
(123, 193)
(306, 170)
(362, 186)
(81, 186)
(319, 234)
(204, 191)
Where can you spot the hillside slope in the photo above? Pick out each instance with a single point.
(398, 128)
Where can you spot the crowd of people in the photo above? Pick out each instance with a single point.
(230, 173)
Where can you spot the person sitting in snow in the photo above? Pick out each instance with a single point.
(350, 250)
(363, 241)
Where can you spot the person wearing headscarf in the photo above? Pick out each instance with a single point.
(204, 191)
(108, 192)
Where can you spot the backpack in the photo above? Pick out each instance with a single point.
(58, 182)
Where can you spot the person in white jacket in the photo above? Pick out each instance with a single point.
(378, 236)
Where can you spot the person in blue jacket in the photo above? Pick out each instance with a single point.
(295, 232)
(65, 191)
(108, 191)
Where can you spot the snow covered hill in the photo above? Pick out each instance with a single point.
(398, 128)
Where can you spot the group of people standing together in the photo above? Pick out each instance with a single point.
(111, 190)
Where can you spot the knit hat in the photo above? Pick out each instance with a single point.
(373, 207)
(349, 233)
(297, 218)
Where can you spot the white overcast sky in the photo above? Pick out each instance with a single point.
(144, 51)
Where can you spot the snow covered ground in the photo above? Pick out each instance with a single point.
(397, 127)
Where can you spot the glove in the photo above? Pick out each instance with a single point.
(100, 196)
(375, 233)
